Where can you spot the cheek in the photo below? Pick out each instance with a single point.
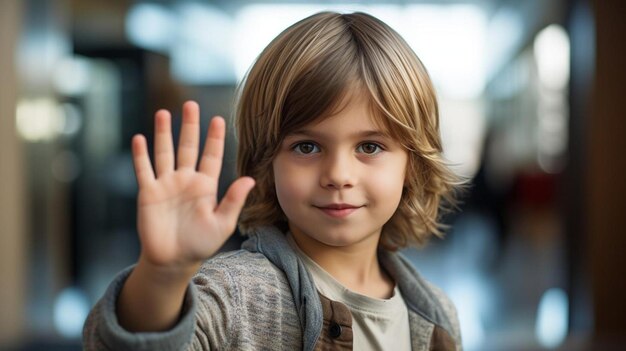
(387, 186)
(290, 184)
(387, 183)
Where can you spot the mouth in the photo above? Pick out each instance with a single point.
(338, 210)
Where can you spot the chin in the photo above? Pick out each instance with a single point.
(339, 238)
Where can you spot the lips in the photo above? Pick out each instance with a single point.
(338, 210)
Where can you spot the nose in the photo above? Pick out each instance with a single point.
(338, 172)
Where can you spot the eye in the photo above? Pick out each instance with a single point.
(305, 148)
(369, 148)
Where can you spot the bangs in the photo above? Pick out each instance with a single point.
(324, 88)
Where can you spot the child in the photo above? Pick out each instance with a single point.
(340, 161)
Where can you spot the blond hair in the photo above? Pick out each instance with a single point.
(304, 75)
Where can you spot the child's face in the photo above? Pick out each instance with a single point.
(344, 160)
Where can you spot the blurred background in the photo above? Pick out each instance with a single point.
(531, 110)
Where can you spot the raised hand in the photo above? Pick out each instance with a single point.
(180, 222)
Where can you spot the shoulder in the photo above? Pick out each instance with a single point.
(424, 297)
(448, 308)
(241, 295)
(242, 277)
(241, 260)
(446, 304)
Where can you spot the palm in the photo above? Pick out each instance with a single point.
(178, 214)
(179, 219)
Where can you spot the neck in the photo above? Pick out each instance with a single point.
(355, 266)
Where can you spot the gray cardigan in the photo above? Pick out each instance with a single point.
(262, 297)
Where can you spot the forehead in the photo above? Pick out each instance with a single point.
(354, 116)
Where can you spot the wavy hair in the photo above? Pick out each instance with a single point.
(304, 74)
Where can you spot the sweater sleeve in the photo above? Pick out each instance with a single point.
(102, 330)
(237, 300)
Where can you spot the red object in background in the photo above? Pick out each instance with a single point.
(535, 189)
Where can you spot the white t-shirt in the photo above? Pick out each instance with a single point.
(377, 324)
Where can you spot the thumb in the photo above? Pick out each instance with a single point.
(232, 203)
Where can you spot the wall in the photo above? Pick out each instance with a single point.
(13, 238)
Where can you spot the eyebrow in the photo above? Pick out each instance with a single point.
(360, 134)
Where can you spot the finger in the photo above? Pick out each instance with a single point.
(211, 162)
(163, 144)
(233, 202)
(189, 136)
(141, 160)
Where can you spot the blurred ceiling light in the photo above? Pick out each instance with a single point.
(70, 311)
(208, 46)
(552, 53)
(71, 76)
(202, 52)
(449, 39)
(551, 49)
(39, 119)
(151, 26)
(463, 126)
(552, 316)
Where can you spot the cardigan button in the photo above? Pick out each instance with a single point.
(335, 330)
